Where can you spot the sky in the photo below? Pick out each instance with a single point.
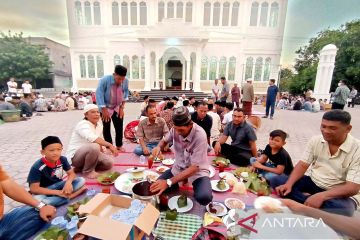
(305, 18)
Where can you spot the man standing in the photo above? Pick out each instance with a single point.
(235, 95)
(248, 97)
(243, 145)
(331, 162)
(150, 131)
(271, 95)
(352, 96)
(12, 85)
(26, 86)
(111, 102)
(201, 118)
(190, 145)
(215, 90)
(341, 95)
(225, 91)
(216, 124)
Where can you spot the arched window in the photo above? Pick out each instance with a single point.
(161, 11)
(216, 14)
(235, 14)
(161, 68)
(143, 13)
(179, 10)
(170, 10)
(78, 13)
(222, 67)
(274, 14)
(99, 66)
(232, 66)
(267, 69)
(124, 13)
(117, 60)
(249, 68)
(91, 66)
(133, 11)
(258, 69)
(115, 13)
(135, 67)
(97, 13)
(88, 18)
(82, 66)
(264, 14)
(126, 63)
(254, 14)
(143, 67)
(207, 10)
(212, 68)
(204, 65)
(225, 15)
(188, 16)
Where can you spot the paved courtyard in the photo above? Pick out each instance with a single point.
(20, 141)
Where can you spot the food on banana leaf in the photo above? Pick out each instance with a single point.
(221, 184)
(108, 178)
(72, 209)
(171, 214)
(182, 201)
(220, 160)
(257, 186)
(237, 172)
(54, 233)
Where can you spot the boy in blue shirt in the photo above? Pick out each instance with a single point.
(274, 160)
(46, 175)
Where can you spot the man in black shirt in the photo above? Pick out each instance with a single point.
(201, 118)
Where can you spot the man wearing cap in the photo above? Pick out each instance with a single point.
(111, 101)
(85, 149)
(248, 97)
(190, 145)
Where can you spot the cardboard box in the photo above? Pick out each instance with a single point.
(100, 225)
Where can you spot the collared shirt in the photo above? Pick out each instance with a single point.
(152, 133)
(215, 88)
(84, 132)
(272, 92)
(41, 105)
(326, 171)
(104, 91)
(12, 87)
(225, 91)
(70, 103)
(26, 87)
(205, 123)
(227, 117)
(241, 135)
(167, 116)
(191, 150)
(216, 126)
(3, 177)
(341, 94)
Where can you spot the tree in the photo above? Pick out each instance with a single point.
(20, 59)
(286, 76)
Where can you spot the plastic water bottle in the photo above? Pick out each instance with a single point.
(142, 159)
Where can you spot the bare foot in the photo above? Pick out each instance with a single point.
(121, 149)
(91, 175)
(78, 192)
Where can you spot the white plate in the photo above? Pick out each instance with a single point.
(135, 169)
(173, 204)
(229, 200)
(124, 183)
(168, 162)
(212, 171)
(273, 203)
(162, 169)
(226, 175)
(227, 220)
(221, 209)
(237, 214)
(215, 188)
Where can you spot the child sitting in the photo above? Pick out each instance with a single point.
(274, 160)
(47, 174)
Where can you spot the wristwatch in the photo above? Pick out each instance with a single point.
(39, 206)
(168, 182)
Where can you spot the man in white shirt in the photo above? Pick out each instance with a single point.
(216, 124)
(26, 86)
(229, 112)
(315, 105)
(215, 90)
(12, 85)
(144, 103)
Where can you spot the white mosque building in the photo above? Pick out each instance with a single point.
(176, 44)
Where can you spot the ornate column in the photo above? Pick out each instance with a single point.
(188, 62)
(196, 76)
(147, 85)
(156, 80)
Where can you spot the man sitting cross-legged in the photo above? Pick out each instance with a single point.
(332, 163)
(150, 131)
(243, 136)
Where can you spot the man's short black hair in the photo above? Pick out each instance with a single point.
(151, 100)
(186, 103)
(279, 133)
(166, 98)
(272, 80)
(169, 105)
(217, 102)
(338, 115)
(210, 106)
(343, 81)
(192, 97)
(148, 107)
(229, 105)
(175, 98)
(146, 97)
(203, 103)
(120, 70)
(223, 103)
(223, 78)
(239, 110)
(196, 103)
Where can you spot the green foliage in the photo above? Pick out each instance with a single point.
(286, 76)
(20, 59)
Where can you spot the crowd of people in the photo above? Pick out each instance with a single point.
(326, 178)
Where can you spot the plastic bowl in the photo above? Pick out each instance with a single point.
(10, 115)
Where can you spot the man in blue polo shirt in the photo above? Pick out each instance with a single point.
(272, 92)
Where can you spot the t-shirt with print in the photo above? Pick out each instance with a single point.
(282, 157)
(48, 173)
(3, 177)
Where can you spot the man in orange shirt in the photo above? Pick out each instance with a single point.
(21, 222)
